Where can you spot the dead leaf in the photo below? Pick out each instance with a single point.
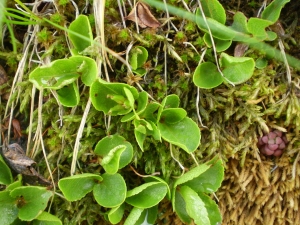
(3, 76)
(240, 49)
(143, 16)
(15, 157)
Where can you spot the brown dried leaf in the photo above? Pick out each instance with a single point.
(143, 16)
(15, 157)
(3, 76)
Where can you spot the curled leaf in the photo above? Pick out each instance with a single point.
(143, 16)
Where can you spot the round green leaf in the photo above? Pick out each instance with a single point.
(147, 195)
(32, 201)
(237, 69)
(8, 208)
(172, 115)
(138, 57)
(185, 134)
(46, 218)
(87, 68)
(110, 162)
(257, 27)
(69, 95)
(217, 29)
(214, 10)
(105, 145)
(207, 76)
(261, 63)
(171, 101)
(111, 191)
(62, 72)
(240, 22)
(210, 180)
(221, 45)
(212, 208)
(81, 26)
(142, 102)
(195, 207)
(110, 97)
(57, 74)
(5, 175)
(76, 187)
(115, 214)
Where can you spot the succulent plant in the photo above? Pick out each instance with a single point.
(272, 143)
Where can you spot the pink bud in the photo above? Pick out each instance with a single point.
(278, 140)
(271, 141)
(285, 139)
(281, 146)
(277, 153)
(272, 135)
(265, 139)
(260, 142)
(278, 133)
(267, 151)
(272, 147)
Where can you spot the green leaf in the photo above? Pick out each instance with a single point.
(111, 191)
(214, 10)
(185, 134)
(147, 195)
(111, 161)
(62, 72)
(207, 76)
(155, 179)
(106, 144)
(148, 216)
(213, 211)
(237, 69)
(5, 175)
(172, 115)
(133, 216)
(140, 135)
(261, 63)
(149, 112)
(142, 102)
(272, 12)
(76, 187)
(138, 56)
(257, 27)
(80, 25)
(87, 69)
(69, 95)
(221, 45)
(217, 29)
(46, 218)
(57, 74)
(102, 94)
(8, 207)
(32, 201)
(154, 132)
(17, 183)
(115, 214)
(240, 23)
(195, 207)
(171, 101)
(179, 207)
(210, 180)
(193, 173)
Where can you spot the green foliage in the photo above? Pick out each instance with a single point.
(5, 175)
